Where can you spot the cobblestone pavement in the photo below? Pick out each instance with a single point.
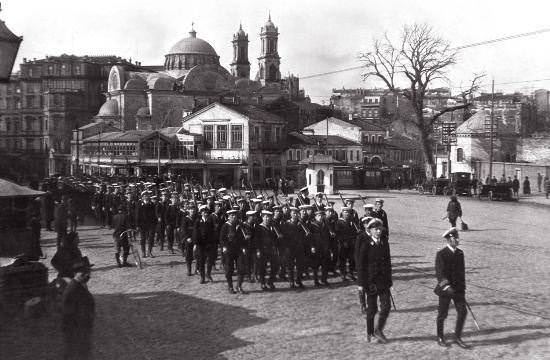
(160, 313)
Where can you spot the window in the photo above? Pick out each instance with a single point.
(357, 156)
(307, 154)
(50, 69)
(298, 155)
(267, 134)
(208, 136)
(289, 154)
(236, 136)
(256, 134)
(221, 137)
(77, 70)
(309, 179)
(277, 135)
(459, 154)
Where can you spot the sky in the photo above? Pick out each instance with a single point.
(315, 36)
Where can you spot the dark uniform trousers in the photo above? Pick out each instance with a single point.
(204, 238)
(346, 233)
(147, 222)
(319, 255)
(374, 275)
(171, 217)
(449, 269)
(120, 223)
(233, 244)
(293, 253)
(266, 253)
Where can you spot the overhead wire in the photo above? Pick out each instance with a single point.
(481, 43)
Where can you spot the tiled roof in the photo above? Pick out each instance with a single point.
(402, 143)
(296, 137)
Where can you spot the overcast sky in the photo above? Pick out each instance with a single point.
(315, 36)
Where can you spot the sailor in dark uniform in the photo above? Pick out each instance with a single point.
(374, 276)
(451, 285)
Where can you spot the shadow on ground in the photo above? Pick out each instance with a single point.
(152, 325)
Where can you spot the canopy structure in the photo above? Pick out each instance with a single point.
(12, 190)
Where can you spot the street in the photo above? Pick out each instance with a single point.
(161, 313)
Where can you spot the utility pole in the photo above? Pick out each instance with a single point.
(77, 170)
(491, 131)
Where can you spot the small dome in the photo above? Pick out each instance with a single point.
(135, 84)
(160, 83)
(143, 111)
(110, 108)
(192, 45)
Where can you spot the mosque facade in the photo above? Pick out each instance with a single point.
(154, 97)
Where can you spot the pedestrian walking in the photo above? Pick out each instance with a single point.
(78, 314)
(515, 186)
(546, 186)
(451, 285)
(120, 224)
(60, 221)
(374, 277)
(454, 210)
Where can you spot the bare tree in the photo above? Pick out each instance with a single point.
(421, 58)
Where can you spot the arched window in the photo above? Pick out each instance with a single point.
(459, 155)
(290, 154)
(320, 177)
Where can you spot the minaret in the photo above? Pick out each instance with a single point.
(269, 60)
(240, 67)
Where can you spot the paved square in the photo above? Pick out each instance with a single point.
(160, 313)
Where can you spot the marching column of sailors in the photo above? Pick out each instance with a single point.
(256, 236)
(264, 241)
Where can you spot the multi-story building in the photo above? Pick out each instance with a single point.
(219, 143)
(364, 104)
(43, 104)
(513, 112)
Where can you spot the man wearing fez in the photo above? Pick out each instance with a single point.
(451, 285)
(78, 312)
(374, 276)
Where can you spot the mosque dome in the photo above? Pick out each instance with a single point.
(192, 45)
(110, 108)
(190, 52)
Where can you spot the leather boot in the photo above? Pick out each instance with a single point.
(441, 341)
(125, 261)
(117, 258)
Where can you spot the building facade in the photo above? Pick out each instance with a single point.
(43, 104)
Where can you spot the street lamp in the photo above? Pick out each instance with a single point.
(9, 46)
